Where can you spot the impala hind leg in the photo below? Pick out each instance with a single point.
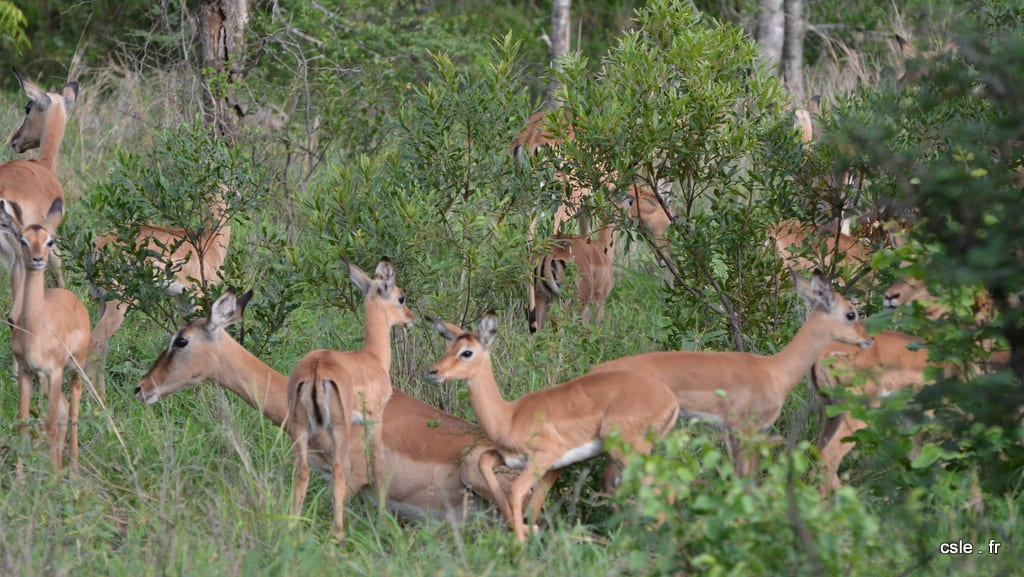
(112, 315)
(338, 486)
(301, 473)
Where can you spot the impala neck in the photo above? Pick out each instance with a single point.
(257, 383)
(33, 306)
(378, 335)
(606, 236)
(53, 135)
(492, 410)
(797, 358)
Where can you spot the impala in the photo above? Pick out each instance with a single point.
(828, 248)
(652, 212)
(196, 259)
(875, 372)
(595, 276)
(745, 392)
(33, 184)
(329, 392)
(430, 456)
(52, 331)
(550, 429)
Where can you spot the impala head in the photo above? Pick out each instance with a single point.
(43, 108)
(465, 350)
(381, 294)
(843, 321)
(36, 239)
(906, 290)
(193, 350)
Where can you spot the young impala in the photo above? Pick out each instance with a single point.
(430, 456)
(745, 392)
(548, 430)
(51, 332)
(329, 392)
(33, 184)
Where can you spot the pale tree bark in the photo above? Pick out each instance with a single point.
(558, 45)
(222, 25)
(771, 31)
(793, 52)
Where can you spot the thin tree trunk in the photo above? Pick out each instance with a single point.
(222, 25)
(559, 44)
(793, 53)
(771, 31)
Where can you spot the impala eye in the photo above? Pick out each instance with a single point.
(851, 316)
(401, 300)
(466, 354)
(49, 243)
(180, 342)
(23, 241)
(28, 107)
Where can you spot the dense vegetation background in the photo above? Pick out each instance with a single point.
(363, 128)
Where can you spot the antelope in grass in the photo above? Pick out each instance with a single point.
(744, 392)
(51, 332)
(195, 258)
(430, 457)
(32, 184)
(547, 430)
(329, 392)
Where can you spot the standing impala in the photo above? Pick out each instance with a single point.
(548, 430)
(329, 392)
(430, 457)
(197, 258)
(51, 331)
(887, 366)
(745, 392)
(33, 184)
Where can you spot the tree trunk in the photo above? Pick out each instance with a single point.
(559, 44)
(222, 25)
(793, 53)
(771, 31)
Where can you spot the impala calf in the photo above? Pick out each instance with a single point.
(548, 430)
(745, 392)
(329, 392)
(33, 184)
(51, 332)
(430, 456)
(195, 261)
(875, 372)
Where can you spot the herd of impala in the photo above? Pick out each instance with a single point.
(339, 408)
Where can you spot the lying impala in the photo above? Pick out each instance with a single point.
(196, 260)
(52, 331)
(548, 430)
(742, 391)
(33, 184)
(329, 392)
(430, 456)
(875, 372)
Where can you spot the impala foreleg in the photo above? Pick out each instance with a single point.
(486, 482)
(76, 399)
(111, 317)
(540, 494)
(57, 418)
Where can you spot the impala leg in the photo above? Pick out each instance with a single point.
(24, 404)
(340, 447)
(517, 494)
(76, 398)
(485, 481)
(301, 472)
(111, 318)
(57, 418)
(378, 465)
(833, 452)
(540, 493)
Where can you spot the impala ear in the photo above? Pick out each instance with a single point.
(385, 273)
(447, 330)
(360, 278)
(227, 310)
(70, 94)
(488, 328)
(55, 213)
(36, 94)
(817, 291)
(10, 216)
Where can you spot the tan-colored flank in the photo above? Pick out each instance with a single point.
(430, 457)
(742, 391)
(875, 372)
(51, 332)
(329, 391)
(33, 184)
(825, 247)
(198, 264)
(550, 429)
